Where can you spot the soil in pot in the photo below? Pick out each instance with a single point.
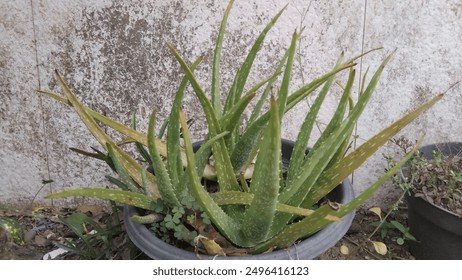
(435, 203)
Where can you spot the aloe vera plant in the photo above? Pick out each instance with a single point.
(257, 206)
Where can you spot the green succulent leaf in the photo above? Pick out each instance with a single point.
(298, 153)
(223, 167)
(174, 151)
(344, 167)
(126, 197)
(164, 184)
(242, 74)
(216, 62)
(129, 164)
(139, 147)
(259, 215)
(227, 225)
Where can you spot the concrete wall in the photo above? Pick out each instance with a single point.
(113, 55)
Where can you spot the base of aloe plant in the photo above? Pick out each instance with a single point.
(309, 248)
(438, 231)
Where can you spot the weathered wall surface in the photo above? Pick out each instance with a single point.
(113, 55)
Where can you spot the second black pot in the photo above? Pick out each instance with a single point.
(438, 231)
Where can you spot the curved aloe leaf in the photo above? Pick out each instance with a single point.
(231, 120)
(340, 170)
(175, 163)
(258, 217)
(125, 130)
(224, 169)
(126, 197)
(245, 198)
(242, 74)
(227, 225)
(216, 62)
(298, 153)
(248, 139)
(164, 184)
(319, 158)
(121, 171)
(129, 164)
(315, 222)
(284, 89)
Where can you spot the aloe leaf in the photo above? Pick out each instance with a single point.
(164, 183)
(241, 76)
(259, 214)
(120, 169)
(261, 101)
(245, 198)
(202, 156)
(231, 120)
(298, 95)
(174, 150)
(247, 142)
(216, 62)
(129, 164)
(301, 143)
(125, 130)
(139, 147)
(338, 118)
(118, 183)
(284, 89)
(318, 159)
(227, 226)
(340, 170)
(310, 225)
(125, 197)
(248, 139)
(224, 169)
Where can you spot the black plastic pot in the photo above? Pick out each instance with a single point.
(438, 231)
(309, 248)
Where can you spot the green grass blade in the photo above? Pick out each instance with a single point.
(125, 197)
(216, 62)
(164, 183)
(258, 217)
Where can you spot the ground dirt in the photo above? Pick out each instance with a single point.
(43, 229)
